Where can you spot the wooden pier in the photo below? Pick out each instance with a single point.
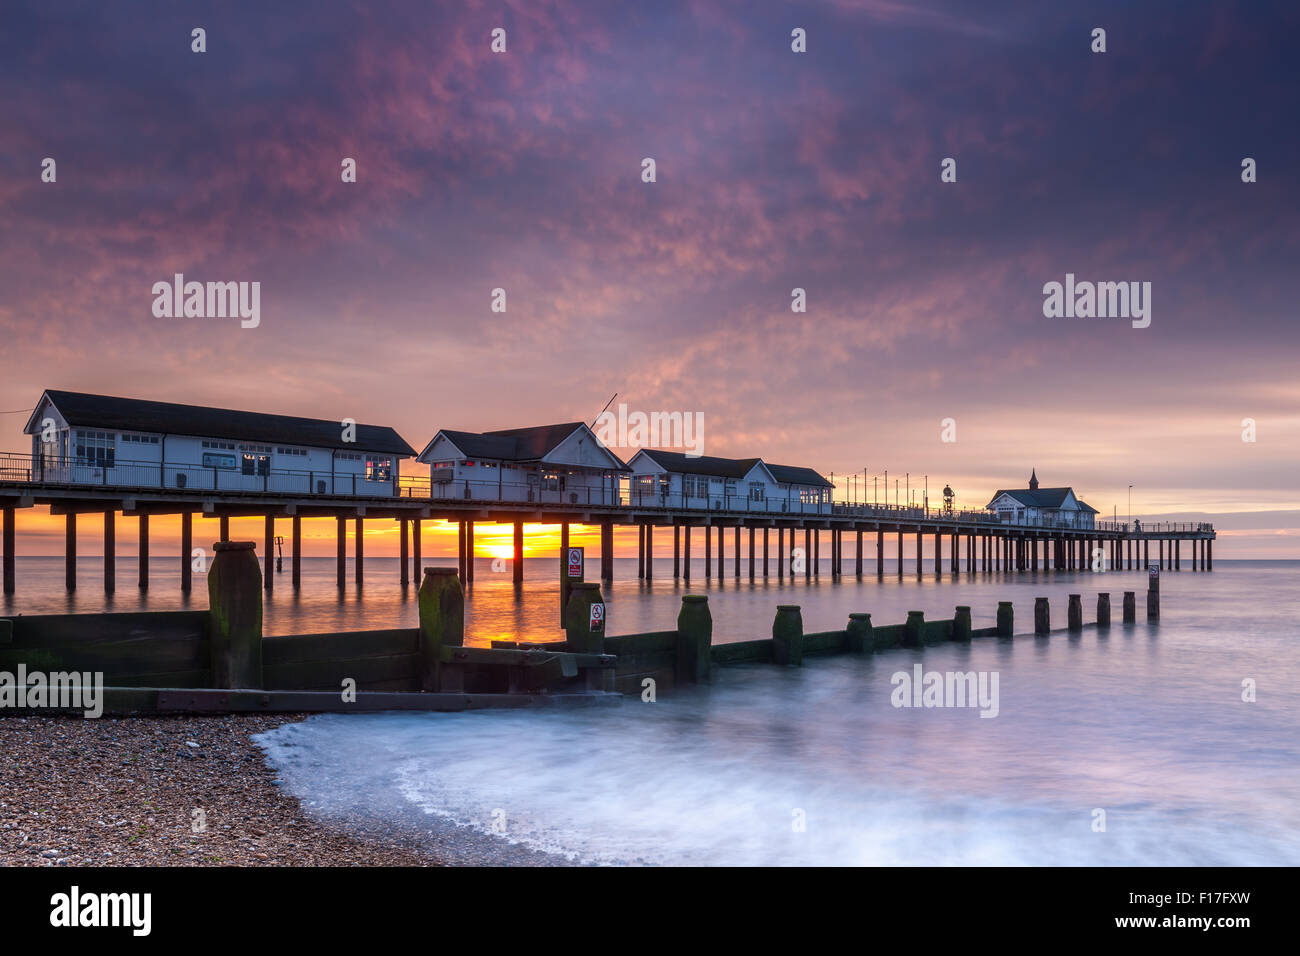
(973, 542)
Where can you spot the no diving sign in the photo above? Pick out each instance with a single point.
(575, 563)
(597, 620)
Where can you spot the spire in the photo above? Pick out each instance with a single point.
(1033, 481)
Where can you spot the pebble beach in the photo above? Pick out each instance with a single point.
(124, 792)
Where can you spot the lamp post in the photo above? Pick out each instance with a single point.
(1130, 504)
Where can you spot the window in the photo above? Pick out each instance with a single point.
(348, 456)
(95, 448)
(220, 445)
(688, 486)
(379, 469)
(141, 439)
(259, 465)
(756, 491)
(298, 452)
(551, 481)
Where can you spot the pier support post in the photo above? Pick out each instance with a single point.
(564, 571)
(1130, 607)
(341, 551)
(640, 551)
(9, 578)
(1074, 613)
(694, 640)
(187, 546)
(417, 563)
(751, 552)
(404, 554)
(650, 550)
(861, 640)
(811, 551)
(70, 551)
(735, 562)
(268, 553)
(857, 563)
(224, 522)
(517, 553)
(880, 553)
(900, 553)
(961, 623)
(920, 550)
(708, 552)
(143, 530)
(1178, 554)
(460, 552)
(677, 551)
(235, 615)
(1209, 555)
(686, 553)
(1042, 616)
(780, 554)
(787, 635)
(1103, 609)
(110, 551)
(765, 530)
(296, 556)
(469, 552)
(442, 622)
(606, 552)
(1006, 619)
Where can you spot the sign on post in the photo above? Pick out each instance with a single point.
(597, 621)
(575, 564)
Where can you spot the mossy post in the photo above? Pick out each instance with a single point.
(1074, 613)
(581, 635)
(235, 612)
(1103, 609)
(961, 623)
(861, 638)
(1130, 607)
(787, 635)
(1006, 619)
(694, 640)
(442, 621)
(913, 628)
(1042, 616)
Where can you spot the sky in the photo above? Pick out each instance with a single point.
(774, 170)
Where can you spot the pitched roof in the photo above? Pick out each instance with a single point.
(138, 415)
(679, 463)
(794, 475)
(517, 444)
(1040, 497)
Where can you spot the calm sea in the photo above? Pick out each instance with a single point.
(815, 765)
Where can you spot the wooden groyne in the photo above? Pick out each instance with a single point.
(219, 661)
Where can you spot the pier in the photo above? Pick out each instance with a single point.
(753, 539)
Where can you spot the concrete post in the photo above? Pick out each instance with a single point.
(1130, 607)
(787, 635)
(235, 615)
(861, 638)
(694, 640)
(1042, 616)
(1074, 613)
(1103, 609)
(442, 621)
(1006, 619)
(961, 623)
(912, 629)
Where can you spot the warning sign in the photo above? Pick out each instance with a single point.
(597, 621)
(575, 563)
(1153, 570)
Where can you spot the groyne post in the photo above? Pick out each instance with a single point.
(961, 623)
(1042, 616)
(694, 640)
(1103, 609)
(1074, 613)
(442, 621)
(1153, 595)
(1130, 607)
(787, 635)
(860, 637)
(912, 629)
(1006, 619)
(235, 612)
